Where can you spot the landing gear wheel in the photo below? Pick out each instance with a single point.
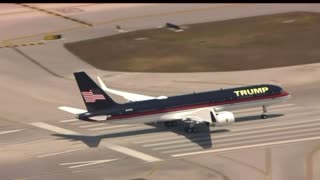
(263, 116)
(167, 123)
(170, 123)
(190, 129)
(174, 123)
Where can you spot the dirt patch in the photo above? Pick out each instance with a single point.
(240, 44)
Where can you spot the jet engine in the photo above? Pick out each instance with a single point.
(223, 118)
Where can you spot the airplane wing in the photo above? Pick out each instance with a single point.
(72, 110)
(198, 115)
(127, 95)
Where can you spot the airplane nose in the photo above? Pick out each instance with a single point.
(285, 93)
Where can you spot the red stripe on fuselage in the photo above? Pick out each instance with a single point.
(283, 94)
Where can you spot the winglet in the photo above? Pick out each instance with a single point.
(102, 85)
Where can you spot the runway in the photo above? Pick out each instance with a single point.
(38, 141)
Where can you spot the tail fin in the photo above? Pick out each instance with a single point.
(93, 97)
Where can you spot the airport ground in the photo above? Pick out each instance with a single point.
(40, 142)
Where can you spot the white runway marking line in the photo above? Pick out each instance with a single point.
(255, 141)
(114, 147)
(237, 134)
(57, 153)
(131, 152)
(80, 123)
(69, 120)
(111, 127)
(140, 137)
(31, 142)
(234, 129)
(93, 125)
(86, 163)
(10, 131)
(127, 129)
(247, 146)
(241, 138)
(56, 129)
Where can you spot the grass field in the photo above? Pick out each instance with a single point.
(239, 44)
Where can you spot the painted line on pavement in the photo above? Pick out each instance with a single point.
(10, 131)
(57, 153)
(243, 139)
(49, 127)
(234, 134)
(86, 163)
(125, 130)
(24, 143)
(247, 146)
(114, 147)
(80, 123)
(69, 120)
(93, 125)
(131, 152)
(232, 129)
(111, 127)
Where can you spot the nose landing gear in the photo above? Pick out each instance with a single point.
(263, 115)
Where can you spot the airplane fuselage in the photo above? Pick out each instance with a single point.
(161, 109)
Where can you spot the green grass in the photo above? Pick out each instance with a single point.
(238, 44)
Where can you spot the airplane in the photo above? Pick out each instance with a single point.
(212, 108)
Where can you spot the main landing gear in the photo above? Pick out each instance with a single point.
(171, 123)
(263, 115)
(191, 128)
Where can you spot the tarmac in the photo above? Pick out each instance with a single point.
(38, 141)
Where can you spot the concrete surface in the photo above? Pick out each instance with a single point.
(285, 146)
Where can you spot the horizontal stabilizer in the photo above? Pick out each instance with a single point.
(72, 110)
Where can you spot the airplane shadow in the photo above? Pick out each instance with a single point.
(201, 138)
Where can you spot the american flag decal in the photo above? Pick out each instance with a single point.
(90, 97)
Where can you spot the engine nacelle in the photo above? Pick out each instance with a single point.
(223, 118)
